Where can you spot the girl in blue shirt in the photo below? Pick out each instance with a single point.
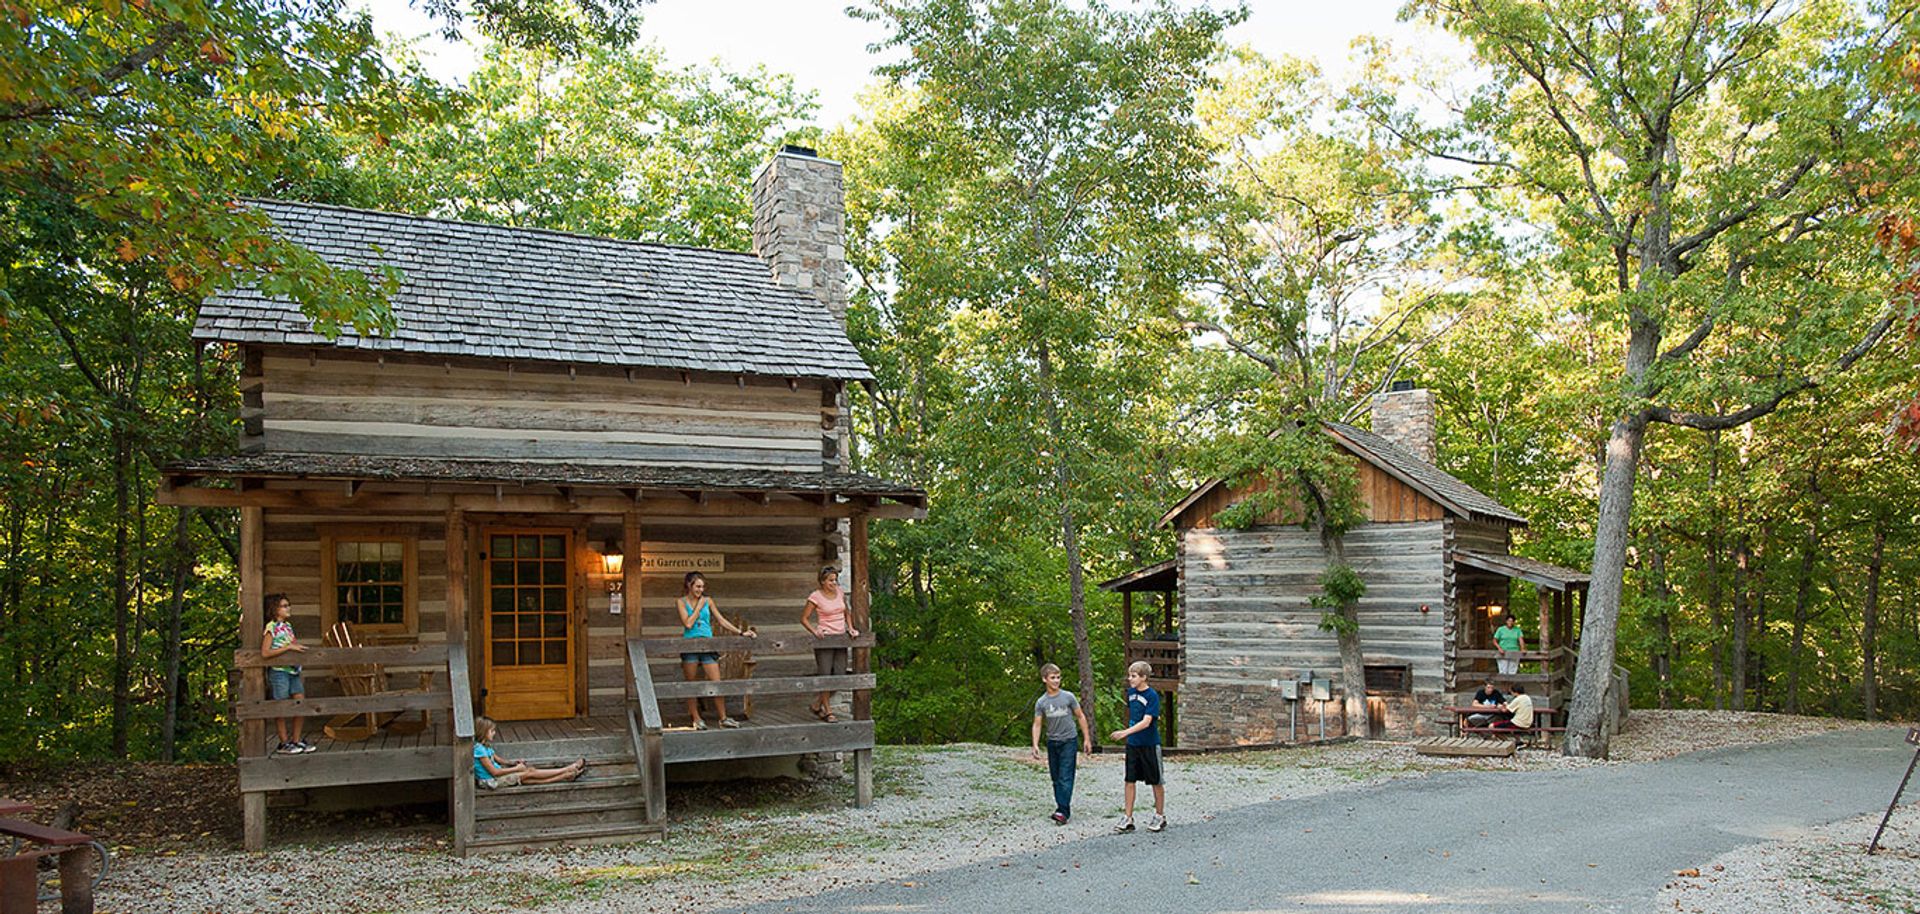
(697, 618)
(492, 771)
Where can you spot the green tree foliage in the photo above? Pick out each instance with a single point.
(1692, 162)
(1042, 160)
(607, 141)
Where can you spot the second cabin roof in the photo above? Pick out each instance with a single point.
(1448, 490)
(491, 291)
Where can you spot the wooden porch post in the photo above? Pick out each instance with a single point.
(1547, 600)
(253, 679)
(461, 801)
(862, 661)
(1126, 620)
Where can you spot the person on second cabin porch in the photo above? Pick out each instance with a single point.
(826, 614)
(697, 618)
(1512, 640)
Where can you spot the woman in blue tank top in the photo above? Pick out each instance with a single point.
(697, 618)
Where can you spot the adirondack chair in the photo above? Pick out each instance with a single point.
(739, 665)
(364, 679)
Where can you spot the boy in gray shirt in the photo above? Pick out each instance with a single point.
(1057, 713)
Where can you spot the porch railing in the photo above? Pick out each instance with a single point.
(452, 729)
(1168, 658)
(644, 728)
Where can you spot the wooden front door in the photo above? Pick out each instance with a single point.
(529, 623)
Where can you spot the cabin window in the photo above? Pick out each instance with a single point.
(1389, 679)
(369, 583)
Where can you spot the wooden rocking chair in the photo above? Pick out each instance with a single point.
(739, 665)
(363, 679)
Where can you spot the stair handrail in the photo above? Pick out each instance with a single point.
(644, 728)
(460, 696)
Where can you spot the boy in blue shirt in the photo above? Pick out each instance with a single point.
(1143, 746)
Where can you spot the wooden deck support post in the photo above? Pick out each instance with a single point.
(253, 680)
(461, 785)
(862, 659)
(643, 716)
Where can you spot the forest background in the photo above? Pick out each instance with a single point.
(1099, 256)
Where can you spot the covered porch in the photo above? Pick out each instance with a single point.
(541, 594)
(1482, 582)
(1151, 633)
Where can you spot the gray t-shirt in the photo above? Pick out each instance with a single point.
(1058, 712)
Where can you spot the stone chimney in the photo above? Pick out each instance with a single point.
(799, 225)
(1404, 416)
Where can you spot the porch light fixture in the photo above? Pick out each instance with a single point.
(613, 563)
(1493, 609)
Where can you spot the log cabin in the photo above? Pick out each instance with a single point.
(500, 496)
(1436, 557)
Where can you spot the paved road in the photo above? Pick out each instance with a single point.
(1595, 839)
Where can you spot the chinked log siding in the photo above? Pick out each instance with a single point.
(1250, 620)
(406, 407)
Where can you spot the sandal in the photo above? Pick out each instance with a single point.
(829, 717)
(818, 711)
(729, 723)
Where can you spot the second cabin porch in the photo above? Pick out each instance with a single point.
(543, 596)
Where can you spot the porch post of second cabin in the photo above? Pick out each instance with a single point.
(253, 679)
(1126, 626)
(862, 660)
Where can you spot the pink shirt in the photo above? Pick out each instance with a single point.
(832, 610)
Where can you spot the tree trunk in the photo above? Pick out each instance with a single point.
(1662, 622)
(183, 562)
(1870, 626)
(1069, 535)
(122, 591)
(1742, 620)
(1716, 614)
(1587, 731)
(1802, 602)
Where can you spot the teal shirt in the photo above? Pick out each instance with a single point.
(480, 751)
(702, 621)
(1508, 637)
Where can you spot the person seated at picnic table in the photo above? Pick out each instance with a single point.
(1490, 698)
(1521, 706)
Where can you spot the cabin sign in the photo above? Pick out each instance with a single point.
(681, 562)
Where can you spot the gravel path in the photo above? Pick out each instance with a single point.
(1579, 840)
(936, 808)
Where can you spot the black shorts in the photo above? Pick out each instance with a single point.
(1143, 764)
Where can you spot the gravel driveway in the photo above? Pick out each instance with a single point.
(1598, 838)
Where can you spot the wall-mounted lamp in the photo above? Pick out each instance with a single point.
(1493, 609)
(614, 564)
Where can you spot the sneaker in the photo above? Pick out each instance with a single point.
(286, 749)
(699, 725)
(1126, 825)
(303, 747)
(1156, 823)
(729, 723)
(1059, 818)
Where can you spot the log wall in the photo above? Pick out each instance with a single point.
(347, 404)
(1384, 499)
(771, 566)
(1249, 623)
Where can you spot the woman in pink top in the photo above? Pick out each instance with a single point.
(826, 614)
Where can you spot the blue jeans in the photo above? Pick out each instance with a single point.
(1060, 763)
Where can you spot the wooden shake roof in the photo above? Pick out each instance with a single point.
(1452, 494)
(490, 291)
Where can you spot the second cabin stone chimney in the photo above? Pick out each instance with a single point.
(1404, 416)
(799, 225)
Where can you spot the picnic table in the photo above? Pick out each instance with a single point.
(1541, 733)
(20, 869)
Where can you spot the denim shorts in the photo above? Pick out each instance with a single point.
(282, 685)
(700, 658)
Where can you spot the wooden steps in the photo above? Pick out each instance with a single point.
(1467, 746)
(607, 805)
